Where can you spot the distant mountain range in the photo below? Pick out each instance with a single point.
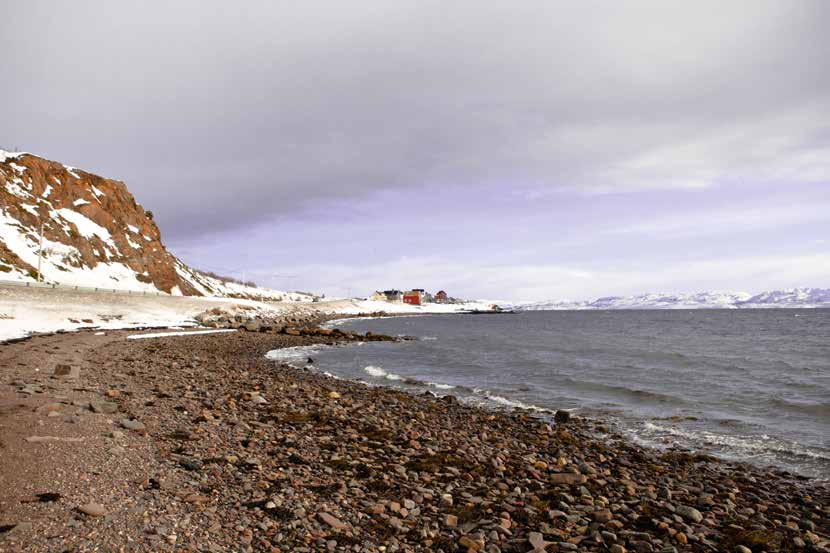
(794, 297)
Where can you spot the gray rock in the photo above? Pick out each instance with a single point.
(536, 540)
(689, 513)
(67, 372)
(107, 407)
(132, 424)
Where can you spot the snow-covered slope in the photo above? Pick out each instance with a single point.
(94, 235)
(796, 297)
(793, 297)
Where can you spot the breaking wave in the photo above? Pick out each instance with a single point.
(379, 372)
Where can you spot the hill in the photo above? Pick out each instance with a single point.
(94, 235)
(795, 297)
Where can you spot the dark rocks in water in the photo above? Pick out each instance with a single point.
(561, 416)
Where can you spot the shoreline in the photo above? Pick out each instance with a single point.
(255, 453)
(630, 426)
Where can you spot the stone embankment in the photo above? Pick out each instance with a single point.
(290, 324)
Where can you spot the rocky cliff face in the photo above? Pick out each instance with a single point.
(94, 234)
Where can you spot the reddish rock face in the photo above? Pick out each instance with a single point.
(67, 199)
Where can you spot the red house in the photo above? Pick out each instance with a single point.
(413, 298)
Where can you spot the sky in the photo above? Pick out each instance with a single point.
(501, 150)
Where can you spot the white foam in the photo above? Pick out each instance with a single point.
(749, 445)
(375, 371)
(379, 372)
(440, 386)
(296, 356)
(513, 403)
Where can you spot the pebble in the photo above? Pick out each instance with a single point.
(107, 407)
(332, 521)
(132, 424)
(689, 513)
(93, 509)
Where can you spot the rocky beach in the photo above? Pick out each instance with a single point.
(201, 443)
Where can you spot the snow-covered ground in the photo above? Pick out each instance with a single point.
(24, 311)
(355, 307)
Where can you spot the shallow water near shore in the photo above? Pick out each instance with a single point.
(750, 385)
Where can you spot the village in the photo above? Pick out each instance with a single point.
(416, 296)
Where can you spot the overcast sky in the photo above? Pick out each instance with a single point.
(506, 150)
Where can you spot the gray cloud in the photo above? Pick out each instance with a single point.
(218, 114)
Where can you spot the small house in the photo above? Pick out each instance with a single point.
(378, 296)
(393, 295)
(441, 297)
(413, 297)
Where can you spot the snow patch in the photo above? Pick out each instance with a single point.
(30, 208)
(80, 202)
(71, 171)
(15, 189)
(4, 155)
(86, 227)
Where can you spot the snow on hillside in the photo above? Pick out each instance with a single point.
(804, 297)
(210, 286)
(796, 297)
(61, 259)
(4, 155)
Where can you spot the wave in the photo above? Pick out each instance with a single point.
(380, 372)
(296, 356)
(501, 400)
(815, 409)
(633, 393)
(441, 386)
(745, 444)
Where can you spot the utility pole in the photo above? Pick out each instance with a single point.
(40, 252)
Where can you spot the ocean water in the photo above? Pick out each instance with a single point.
(750, 385)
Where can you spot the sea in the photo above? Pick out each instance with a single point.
(748, 385)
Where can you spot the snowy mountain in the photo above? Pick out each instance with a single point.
(94, 235)
(796, 297)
